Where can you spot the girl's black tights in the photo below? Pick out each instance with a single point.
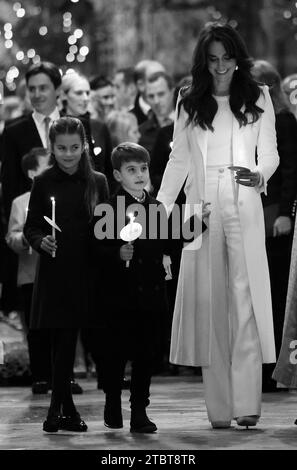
(63, 344)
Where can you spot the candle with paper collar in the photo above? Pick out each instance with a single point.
(54, 221)
(132, 218)
(30, 247)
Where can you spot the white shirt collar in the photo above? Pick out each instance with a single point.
(143, 105)
(40, 117)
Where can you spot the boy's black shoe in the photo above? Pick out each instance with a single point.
(113, 413)
(52, 423)
(140, 422)
(73, 423)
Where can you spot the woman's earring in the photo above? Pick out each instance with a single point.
(236, 68)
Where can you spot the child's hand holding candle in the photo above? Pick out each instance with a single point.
(49, 245)
(129, 233)
(126, 252)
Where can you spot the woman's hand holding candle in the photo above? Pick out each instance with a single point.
(48, 244)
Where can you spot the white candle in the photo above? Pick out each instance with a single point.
(30, 247)
(54, 221)
(132, 218)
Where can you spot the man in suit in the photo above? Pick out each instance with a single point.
(125, 87)
(159, 95)
(142, 70)
(19, 137)
(103, 97)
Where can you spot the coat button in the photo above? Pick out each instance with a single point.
(221, 170)
(140, 261)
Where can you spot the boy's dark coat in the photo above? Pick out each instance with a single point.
(130, 298)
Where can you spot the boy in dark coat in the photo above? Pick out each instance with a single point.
(133, 296)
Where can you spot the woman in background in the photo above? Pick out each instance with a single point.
(75, 100)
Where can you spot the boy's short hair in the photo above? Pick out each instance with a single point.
(128, 152)
(30, 160)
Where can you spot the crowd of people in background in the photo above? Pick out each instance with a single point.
(137, 105)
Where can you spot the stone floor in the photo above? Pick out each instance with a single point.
(177, 407)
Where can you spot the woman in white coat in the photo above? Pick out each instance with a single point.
(223, 317)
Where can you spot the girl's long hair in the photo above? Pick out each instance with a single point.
(71, 125)
(267, 74)
(198, 99)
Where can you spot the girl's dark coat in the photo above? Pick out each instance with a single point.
(61, 289)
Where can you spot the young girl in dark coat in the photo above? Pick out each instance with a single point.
(60, 296)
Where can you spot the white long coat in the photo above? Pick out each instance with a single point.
(191, 328)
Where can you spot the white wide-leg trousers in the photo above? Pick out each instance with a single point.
(233, 381)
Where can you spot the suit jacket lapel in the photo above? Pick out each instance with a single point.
(33, 132)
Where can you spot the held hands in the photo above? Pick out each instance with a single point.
(247, 177)
(205, 210)
(282, 226)
(126, 252)
(48, 244)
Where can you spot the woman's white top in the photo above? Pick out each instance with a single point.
(219, 151)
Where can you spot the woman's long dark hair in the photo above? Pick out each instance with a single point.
(71, 125)
(197, 99)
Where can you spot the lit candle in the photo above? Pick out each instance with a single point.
(30, 247)
(54, 221)
(132, 218)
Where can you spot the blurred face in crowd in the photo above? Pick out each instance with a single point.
(289, 86)
(125, 94)
(121, 90)
(151, 67)
(107, 98)
(221, 66)
(67, 150)
(42, 93)
(43, 164)
(133, 131)
(78, 97)
(159, 97)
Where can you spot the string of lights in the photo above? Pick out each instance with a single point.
(77, 50)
